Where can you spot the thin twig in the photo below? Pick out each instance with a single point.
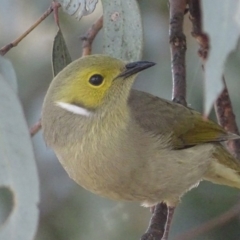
(87, 42)
(197, 32)
(35, 128)
(226, 118)
(9, 46)
(223, 105)
(213, 223)
(178, 50)
(90, 35)
(55, 6)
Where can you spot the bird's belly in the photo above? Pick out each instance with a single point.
(164, 176)
(101, 177)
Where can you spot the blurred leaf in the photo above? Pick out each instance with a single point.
(60, 55)
(221, 28)
(18, 171)
(6, 203)
(79, 8)
(237, 14)
(123, 31)
(8, 73)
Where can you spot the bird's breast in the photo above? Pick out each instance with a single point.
(100, 161)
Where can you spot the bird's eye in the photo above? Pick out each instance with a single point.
(96, 79)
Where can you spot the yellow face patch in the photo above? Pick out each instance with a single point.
(88, 85)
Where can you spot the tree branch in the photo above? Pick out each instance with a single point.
(157, 223)
(35, 128)
(87, 47)
(226, 118)
(197, 33)
(90, 35)
(9, 46)
(178, 50)
(53, 8)
(160, 222)
(223, 105)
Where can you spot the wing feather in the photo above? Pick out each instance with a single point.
(163, 117)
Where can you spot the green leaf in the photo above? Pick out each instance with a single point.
(219, 23)
(60, 55)
(123, 31)
(18, 172)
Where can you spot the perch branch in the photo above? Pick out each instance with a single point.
(157, 223)
(9, 46)
(226, 118)
(178, 50)
(90, 35)
(160, 222)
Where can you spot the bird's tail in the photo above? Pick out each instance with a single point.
(224, 169)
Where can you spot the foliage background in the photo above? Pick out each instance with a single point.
(68, 211)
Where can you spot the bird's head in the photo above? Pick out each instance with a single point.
(93, 82)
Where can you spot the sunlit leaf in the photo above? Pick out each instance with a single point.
(18, 172)
(219, 23)
(78, 8)
(60, 55)
(123, 32)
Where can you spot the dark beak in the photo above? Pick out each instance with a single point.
(135, 67)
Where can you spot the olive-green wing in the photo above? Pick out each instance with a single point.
(163, 117)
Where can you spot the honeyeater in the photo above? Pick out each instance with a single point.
(125, 144)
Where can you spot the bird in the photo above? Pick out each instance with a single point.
(129, 145)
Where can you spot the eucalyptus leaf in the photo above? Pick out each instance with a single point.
(18, 172)
(60, 55)
(78, 8)
(219, 23)
(7, 72)
(123, 31)
(237, 14)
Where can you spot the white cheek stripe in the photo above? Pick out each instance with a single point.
(74, 109)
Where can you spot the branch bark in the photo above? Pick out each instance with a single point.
(197, 32)
(9, 46)
(226, 118)
(35, 128)
(88, 38)
(90, 35)
(223, 105)
(157, 223)
(178, 50)
(160, 222)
